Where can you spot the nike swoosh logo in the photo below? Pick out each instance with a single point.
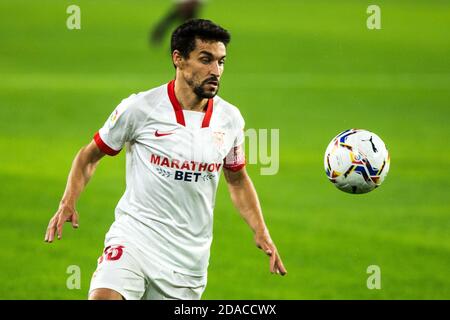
(162, 134)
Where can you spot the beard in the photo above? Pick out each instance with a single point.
(201, 91)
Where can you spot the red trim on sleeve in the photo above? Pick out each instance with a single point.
(179, 110)
(235, 168)
(103, 146)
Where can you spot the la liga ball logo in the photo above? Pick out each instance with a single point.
(114, 116)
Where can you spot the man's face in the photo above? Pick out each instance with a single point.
(204, 67)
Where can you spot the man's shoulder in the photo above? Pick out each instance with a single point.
(227, 108)
(142, 103)
(148, 97)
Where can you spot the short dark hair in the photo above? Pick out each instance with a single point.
(183, 38)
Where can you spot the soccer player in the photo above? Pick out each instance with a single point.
(178, 139)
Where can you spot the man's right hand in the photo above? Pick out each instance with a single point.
(83, 168)
(65, 213)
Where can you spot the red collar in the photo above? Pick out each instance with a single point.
(179, 110)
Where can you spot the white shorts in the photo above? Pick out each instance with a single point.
(136, 276)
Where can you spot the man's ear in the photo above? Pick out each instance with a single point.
(177, 59)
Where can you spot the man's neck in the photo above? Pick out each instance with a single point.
(188, 99)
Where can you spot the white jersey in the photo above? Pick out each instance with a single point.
(173, 162)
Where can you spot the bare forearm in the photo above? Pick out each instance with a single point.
(245, 199)
(83, 167)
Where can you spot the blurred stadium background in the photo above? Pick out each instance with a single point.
(309, 68)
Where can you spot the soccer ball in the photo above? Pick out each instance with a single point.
(356, 161)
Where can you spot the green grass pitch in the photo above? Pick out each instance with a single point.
(309, 69)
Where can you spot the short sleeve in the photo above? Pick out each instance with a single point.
(235, 159)
(240, 125)
(118, 129)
